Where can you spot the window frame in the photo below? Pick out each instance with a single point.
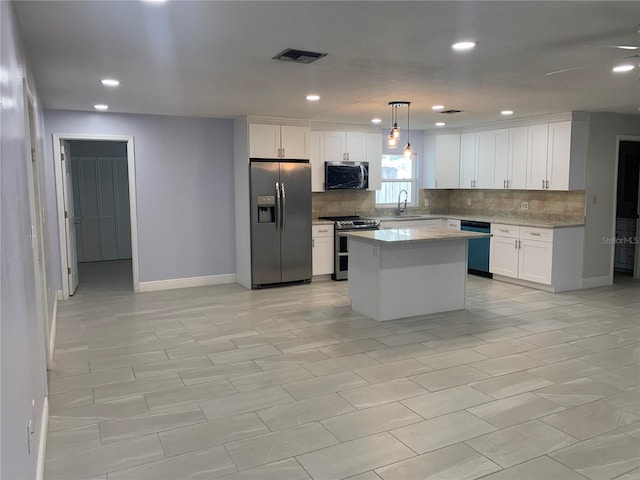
(413, 181)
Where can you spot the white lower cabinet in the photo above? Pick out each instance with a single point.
(323, 251)
(451, 223)
(545, 256)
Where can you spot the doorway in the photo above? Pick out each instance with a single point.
(626, 257)
(95, 176)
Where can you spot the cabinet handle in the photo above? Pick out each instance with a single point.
(505, 231)
(516, 244)
(519, 243)
(313, 242)
(547, 184)
(283, 154)
(508, 183)
(504, 184)
(322, 231)
(534, 234)
(543, 184)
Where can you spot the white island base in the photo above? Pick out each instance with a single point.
(407, 273)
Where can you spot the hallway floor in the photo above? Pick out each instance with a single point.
(290, 383)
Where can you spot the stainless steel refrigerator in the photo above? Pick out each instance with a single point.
(280, 222)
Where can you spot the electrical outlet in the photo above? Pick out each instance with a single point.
(426, 202)
(524, 205)
(595, 199)
(468, 202)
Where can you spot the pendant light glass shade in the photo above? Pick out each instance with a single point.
(394, 135)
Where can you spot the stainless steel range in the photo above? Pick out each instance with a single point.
(343, 225)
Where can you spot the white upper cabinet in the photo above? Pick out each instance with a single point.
(264, 140)
(518, 154)
(559, 156)
(467, 160)
(278, 141)
(374, 157)
(295, 142)
(550, 161)
(343, 146)
(537, 157)
(346, 146)
(441, 163)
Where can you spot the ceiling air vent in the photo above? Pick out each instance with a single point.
(451, 112)
(298, 56)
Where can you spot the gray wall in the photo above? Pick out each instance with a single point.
(601, 177)
(184, 183)
(22, 345)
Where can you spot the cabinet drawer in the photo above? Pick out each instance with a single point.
(322, 231)
(452, 224)
(539, 234)
(510, 231)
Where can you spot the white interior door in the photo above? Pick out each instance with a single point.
(69, 218)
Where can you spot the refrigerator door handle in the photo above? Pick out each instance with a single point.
(282, 206)
(277, 206)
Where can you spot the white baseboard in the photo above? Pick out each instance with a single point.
(52, 333)
(187, 282)
(597, 281)
(60, 295)
(524, 283)
(42, 445)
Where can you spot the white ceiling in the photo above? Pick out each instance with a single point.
(214, 58)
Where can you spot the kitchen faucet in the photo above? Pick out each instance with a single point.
(406, 196)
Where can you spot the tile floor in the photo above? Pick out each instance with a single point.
(289, 383)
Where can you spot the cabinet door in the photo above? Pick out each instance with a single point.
(295, 142)
(374, 157)
(500, 169)
(334, 146)
(447, 161)
(467, 160)
(537, 157)
(503, 256)
(317, 161)
(322, 259)
(558, 157)
(518, 152)
(535, 261)
(264, 141)
(356, 146)
(485, 157)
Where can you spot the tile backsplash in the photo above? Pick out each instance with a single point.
(542, 205)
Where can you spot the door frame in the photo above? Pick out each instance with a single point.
(34, 175)
(636, 267)
(57, 138)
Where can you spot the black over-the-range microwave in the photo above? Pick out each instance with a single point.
(346, 175)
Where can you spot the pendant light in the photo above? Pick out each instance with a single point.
(394, 134)
(408, 152)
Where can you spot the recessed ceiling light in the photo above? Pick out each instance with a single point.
(437, 107)
(376, 120)
(313, 97)
(463, 46)
(155, 1)
(101, 107)
(626, 67)
(110, 82)
(506, 112)
(440, 124)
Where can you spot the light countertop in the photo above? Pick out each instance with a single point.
(413, 235)
(489, 219)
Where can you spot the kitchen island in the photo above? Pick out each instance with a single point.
(398, 273)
